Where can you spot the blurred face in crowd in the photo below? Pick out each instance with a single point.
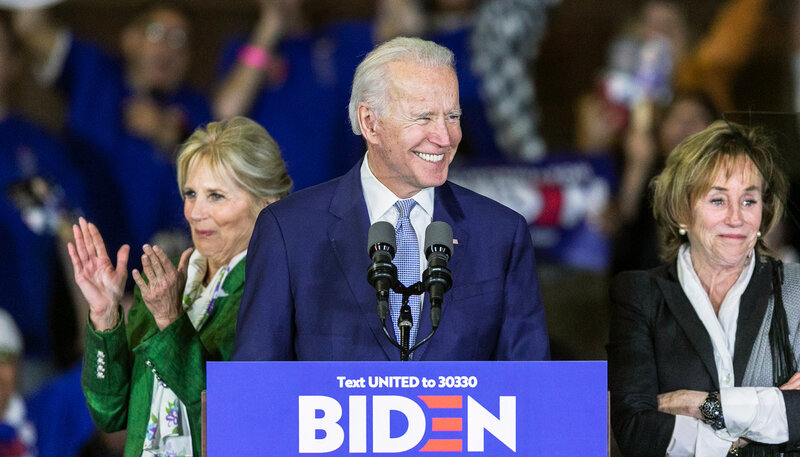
(156, 50)
(725, 221)
(412, 143)
(220, 213)
(685, 117)
(8, 382)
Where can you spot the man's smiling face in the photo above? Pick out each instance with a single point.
(417, 136)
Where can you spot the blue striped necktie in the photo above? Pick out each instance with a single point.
(407, 262)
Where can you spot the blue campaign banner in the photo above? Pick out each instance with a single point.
(418, 408)
(563, 198)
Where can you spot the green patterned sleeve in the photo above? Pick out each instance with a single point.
(179, 359)
(106, 376)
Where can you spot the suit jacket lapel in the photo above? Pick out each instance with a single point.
(752, 308)
(348, 238)
(687, 318)
(446, 209)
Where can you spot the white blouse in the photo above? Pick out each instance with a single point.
(756, 413)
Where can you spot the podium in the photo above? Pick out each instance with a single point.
(420, 408)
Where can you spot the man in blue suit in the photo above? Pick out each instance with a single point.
(306, 294)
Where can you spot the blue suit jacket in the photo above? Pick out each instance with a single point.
(306, 294)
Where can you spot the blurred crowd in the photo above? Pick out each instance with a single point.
(127, 105)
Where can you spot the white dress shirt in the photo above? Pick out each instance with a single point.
(380, 206)
(756, 413)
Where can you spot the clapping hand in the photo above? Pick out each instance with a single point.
(164, 286)
(101, 283)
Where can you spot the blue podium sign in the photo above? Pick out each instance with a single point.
(419, 408)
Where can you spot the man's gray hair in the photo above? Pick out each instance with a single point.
(371, 83)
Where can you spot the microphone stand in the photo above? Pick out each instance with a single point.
(436, 279)
(405, 321)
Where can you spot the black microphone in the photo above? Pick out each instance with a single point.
(382, 274)
(437, 278)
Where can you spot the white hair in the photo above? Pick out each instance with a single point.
(371, 83)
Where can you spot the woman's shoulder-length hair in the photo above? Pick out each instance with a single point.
(694, 164)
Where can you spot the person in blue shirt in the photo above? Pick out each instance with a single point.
(39, 187)
(59, 414)
(125, 114)
(294, 78)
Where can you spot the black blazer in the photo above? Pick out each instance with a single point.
(658, 344)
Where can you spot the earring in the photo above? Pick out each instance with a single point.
(682, 231)
(758, 234)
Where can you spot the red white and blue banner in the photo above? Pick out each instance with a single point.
(563, 199)
(418, 408)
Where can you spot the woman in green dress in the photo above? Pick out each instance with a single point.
(145, 374)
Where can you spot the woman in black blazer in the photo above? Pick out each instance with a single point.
(703, 351)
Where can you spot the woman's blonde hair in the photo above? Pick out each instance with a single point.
(242, 150)
(694, 164)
